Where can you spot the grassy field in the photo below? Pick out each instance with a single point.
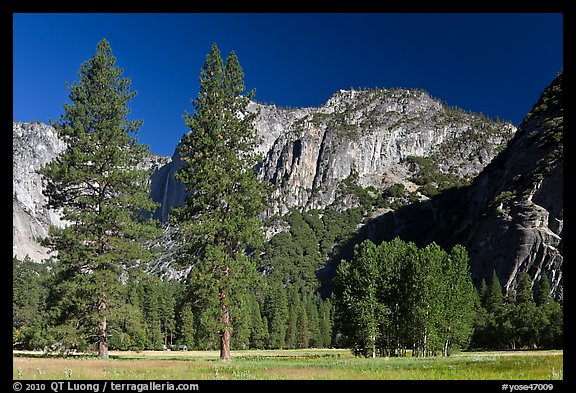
(316, 364)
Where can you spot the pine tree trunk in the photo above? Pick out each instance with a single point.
(225, 331)
(102, 336)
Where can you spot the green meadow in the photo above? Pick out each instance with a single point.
(309, 364)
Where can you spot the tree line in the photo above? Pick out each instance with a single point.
(527, 317)
(395, 298)
(380, 307)
(157, 314)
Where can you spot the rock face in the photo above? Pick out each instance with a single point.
(370, 134)
(308, 152)
(515, 207)
(34, 145)
(511, 217)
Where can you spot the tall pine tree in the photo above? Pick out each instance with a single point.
(220, 218)
(101, 192)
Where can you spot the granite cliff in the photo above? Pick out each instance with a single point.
(33, 145)
(510, 218)
(515, 208)
(308, 152)
(509, 215)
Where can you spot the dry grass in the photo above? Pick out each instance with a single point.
(290, 365)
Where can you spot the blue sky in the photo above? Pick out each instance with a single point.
(492, 63)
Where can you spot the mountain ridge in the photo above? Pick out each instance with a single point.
(308, 152)
(510, 218)
(370, 136)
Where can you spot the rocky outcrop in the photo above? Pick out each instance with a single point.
(370, 134)
(308, 152)
(515, 207)
(33, 145)
(511, 217)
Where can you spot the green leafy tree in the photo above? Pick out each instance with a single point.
(394, 297)
(98, 187)
(220, 218)
(356, 302)
(459, 302)
(396, 282)
(429, 291)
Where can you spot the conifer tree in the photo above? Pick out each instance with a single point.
(543, 297)
(495, 297)
(550, 325)
(259, 327)
(313, 321)
(28, 299)
(302, 326)
(150, 302)
(524, 314)
(325, 323)
(101, 192)
(167, 312)
(220, 218)
(277, 315)
(483, 293)
(496, 312)
(291, 328)
(241, 318)
(185, 326)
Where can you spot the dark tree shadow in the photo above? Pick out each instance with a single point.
(440, 219)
